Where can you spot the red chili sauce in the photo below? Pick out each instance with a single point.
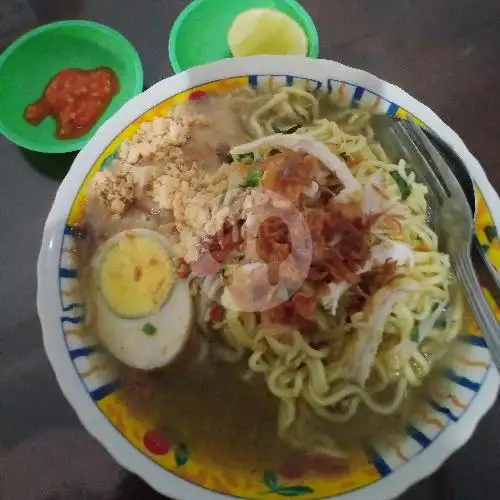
(76, 98)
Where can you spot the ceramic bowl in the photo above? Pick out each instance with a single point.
(453, 409)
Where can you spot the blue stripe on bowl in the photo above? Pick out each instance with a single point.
(418, 436)
(252, 80)
(75, 320)
(356, 98)
(392, 109)
(460, 380)
(67, 273)
(289, 80)
(72, 230)
(104, 390)
(83, 351)
(329, 86)
(318, 85)
(443, 410)
(378, 462)
(474, 340)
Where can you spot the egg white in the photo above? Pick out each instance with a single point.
(124, 337)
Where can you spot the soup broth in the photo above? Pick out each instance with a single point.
(232, 422)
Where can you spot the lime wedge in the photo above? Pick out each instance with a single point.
(266, 31)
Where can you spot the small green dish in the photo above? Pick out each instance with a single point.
(27, 66)
(199, 34)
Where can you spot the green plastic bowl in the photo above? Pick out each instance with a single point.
(32, 60)
(199, 34)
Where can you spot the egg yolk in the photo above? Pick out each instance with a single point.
(135, 276)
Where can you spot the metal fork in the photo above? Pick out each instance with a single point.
(451, 214)
(482, 264)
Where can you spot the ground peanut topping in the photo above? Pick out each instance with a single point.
(165, 162)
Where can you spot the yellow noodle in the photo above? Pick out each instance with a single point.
(310, 381)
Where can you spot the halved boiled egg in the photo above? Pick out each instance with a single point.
(143, 312)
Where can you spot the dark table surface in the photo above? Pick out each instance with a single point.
(444, 52)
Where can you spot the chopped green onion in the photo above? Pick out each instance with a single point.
(232, 158)
(245, 155)
(491, 233)
(414, 334)
(252, 178)
(149, 329)
(403, 186)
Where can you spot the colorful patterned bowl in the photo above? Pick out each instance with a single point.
(470, 382)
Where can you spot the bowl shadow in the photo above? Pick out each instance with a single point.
(133, 487)
(52, 165)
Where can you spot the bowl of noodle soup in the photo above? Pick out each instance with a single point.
(242, 294)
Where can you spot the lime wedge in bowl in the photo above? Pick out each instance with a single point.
(266, 31)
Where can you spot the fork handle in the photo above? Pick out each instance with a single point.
(482, 311)
(460, 171)
(480, 308)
